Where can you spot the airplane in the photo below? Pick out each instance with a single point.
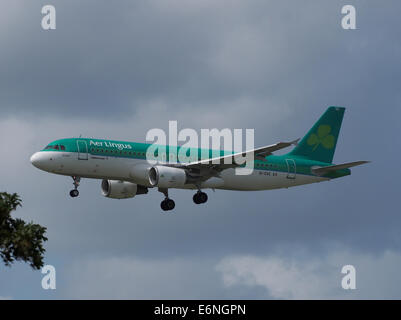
(126, 172)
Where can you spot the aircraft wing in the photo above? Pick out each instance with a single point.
(228, 161)
(323, 170)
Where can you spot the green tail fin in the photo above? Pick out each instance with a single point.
(320, 142)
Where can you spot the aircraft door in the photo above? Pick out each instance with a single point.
(82, 150)
(292, 169)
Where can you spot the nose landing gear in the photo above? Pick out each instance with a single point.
(74, 192)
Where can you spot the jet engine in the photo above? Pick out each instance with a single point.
(167, 177)
(140, 174)
(121, 189)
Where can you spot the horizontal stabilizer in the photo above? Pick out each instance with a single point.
(323, 170)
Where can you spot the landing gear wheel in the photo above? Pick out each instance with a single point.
(167, 205)
(163, 205)
(200, 197)
(195, 198)
(170, 204)
(74, 193)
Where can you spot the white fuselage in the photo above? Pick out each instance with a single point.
(119, 168)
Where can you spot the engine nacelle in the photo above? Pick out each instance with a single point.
(167, 177)
(140, 174)
(121, 189)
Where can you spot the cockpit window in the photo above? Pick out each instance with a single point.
(55, 147)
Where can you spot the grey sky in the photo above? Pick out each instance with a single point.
(116, 70)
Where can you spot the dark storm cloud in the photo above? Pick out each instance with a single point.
(269, 65)
(103, 59)
(106, 59)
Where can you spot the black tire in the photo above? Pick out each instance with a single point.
(74, 193)
(163, 205)
(202, 197)
(196, 198)
(170, 204)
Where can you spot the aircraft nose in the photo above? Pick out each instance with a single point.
(38, 159)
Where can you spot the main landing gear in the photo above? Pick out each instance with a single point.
(200, 197)
(167, 204)
(74, 192)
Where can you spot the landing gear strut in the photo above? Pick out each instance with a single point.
(74, 192)
(200, 197)
(167, 204)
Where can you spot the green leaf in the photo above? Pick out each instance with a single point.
(313, 139)
(323, 130)
(328, 142)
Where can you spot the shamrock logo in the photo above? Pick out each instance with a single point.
(322, 137)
